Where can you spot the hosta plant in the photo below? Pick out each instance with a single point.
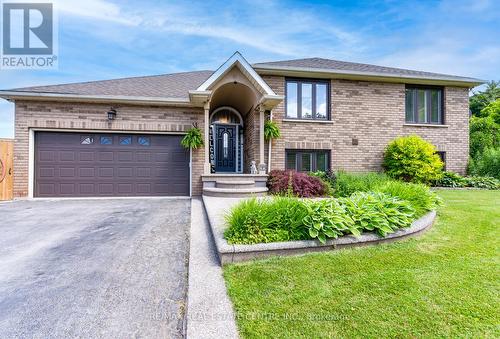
(327, 219)
(378, 212)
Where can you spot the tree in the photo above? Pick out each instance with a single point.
(492, 110)
(484, 133)
(479, 100)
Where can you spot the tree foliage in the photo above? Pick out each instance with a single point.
(479, 100)
(484, 133)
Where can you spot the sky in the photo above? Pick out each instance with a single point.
(107, 39)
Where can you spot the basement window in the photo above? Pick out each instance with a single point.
(307, 161)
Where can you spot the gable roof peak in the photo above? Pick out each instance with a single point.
(237, 60)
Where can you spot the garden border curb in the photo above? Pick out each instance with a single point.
(215, 208)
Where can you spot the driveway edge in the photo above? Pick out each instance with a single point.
(209, 312)
(228, 253)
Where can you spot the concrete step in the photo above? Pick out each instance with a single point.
(235, 193)
(258, 178)
(235, 184)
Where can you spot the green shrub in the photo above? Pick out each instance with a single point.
(483, 182)
(454, 180)
(349, 183)
(378, 212)
(268, 220)
(421, 198)
(328, 178)
(487, 164)
(451, 179)
(412, 159)
(484, 133)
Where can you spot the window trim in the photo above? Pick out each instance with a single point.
(313, 82)
(314, 160)
(442, 115)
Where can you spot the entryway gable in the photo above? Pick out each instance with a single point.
(237, 60)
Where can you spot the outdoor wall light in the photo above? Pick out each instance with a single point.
(112, 114)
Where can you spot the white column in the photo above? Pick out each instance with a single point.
(261, 141)
(207, 139)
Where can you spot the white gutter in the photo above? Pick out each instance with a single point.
(364, 75)
(138, 100)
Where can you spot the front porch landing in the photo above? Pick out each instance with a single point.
(234, 185)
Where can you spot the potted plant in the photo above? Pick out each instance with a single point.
(271, 131)
(193, 138)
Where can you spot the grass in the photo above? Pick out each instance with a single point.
(445, 283)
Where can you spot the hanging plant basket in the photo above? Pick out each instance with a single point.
(271, 130)
(193, 138)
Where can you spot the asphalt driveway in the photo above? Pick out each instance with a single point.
(93, 268)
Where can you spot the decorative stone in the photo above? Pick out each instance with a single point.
(253, 168)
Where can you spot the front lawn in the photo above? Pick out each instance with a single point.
(444, 283)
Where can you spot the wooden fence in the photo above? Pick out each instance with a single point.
(6, 172)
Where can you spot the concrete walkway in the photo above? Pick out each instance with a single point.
(210, 313)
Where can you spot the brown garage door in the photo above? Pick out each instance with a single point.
(95, 164)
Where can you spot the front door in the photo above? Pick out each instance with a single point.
(225, 148)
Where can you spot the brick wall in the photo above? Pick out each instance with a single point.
(79, 116)
(373, 113)
(251, 144)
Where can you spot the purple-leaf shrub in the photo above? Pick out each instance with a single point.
(299, 184)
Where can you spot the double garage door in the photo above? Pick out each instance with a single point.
(104, 165)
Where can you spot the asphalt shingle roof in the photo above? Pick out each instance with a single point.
(178, 85)
(174, 85)
(336, 65)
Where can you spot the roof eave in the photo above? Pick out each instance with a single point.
(111, 99)
(367, 76)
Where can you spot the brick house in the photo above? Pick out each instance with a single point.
(122, 137)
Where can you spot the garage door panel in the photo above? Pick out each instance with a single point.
(86, 156)
(106, 172)
(125, 188)
(67, 156)
(142, 157)
(67, 172)
(126, 156)
(93, 164)
(106, 156)
(144, 172)
(46, 172)
(86, 172)
(125, 172)
(86, 188)
(67, 189)
(47, 156)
